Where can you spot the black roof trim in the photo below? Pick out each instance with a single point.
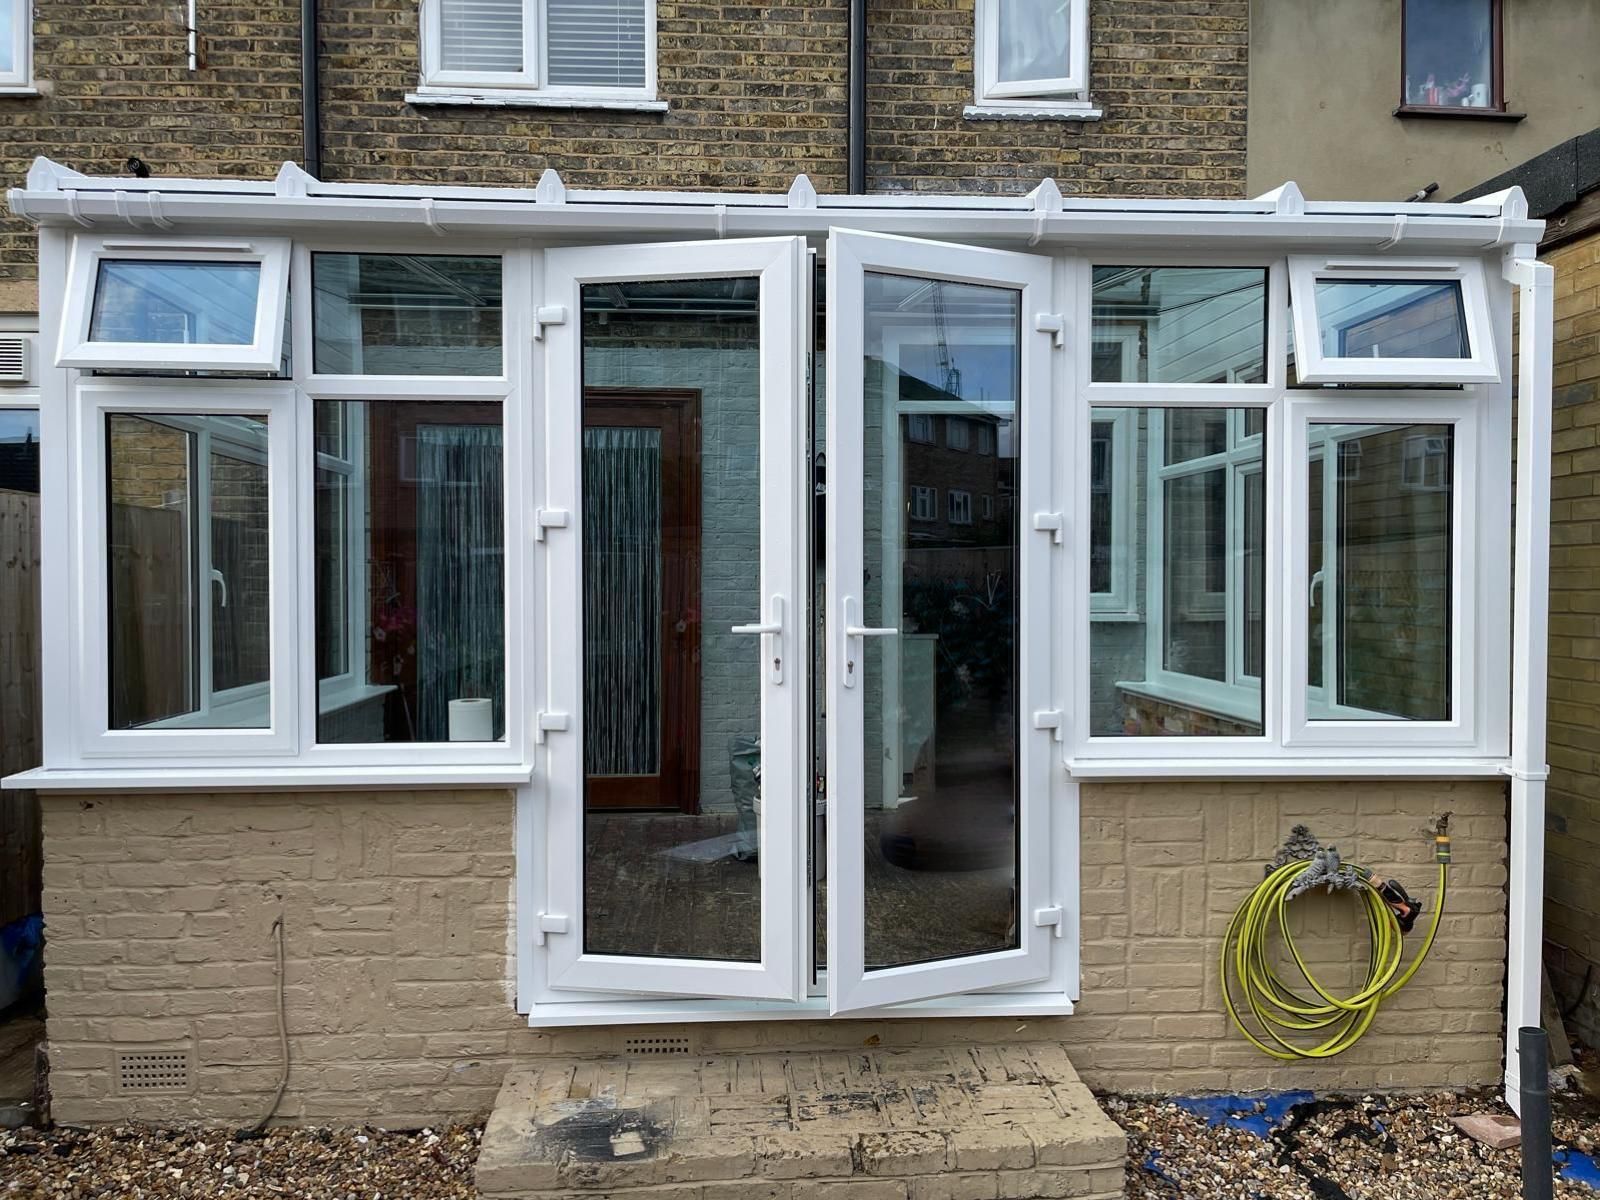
(1554, 180)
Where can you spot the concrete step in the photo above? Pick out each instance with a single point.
(956, 1123)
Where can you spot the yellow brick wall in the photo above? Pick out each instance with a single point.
(396, 912)
(1572, 878)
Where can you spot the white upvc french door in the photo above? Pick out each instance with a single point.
(941, 520)
(673, 517)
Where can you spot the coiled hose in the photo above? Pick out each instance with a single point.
(1278, 1007)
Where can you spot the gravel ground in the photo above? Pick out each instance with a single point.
(1364, 1148)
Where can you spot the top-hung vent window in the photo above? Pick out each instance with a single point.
(153, 304)
(1391, 321)
(1032, 49)
(562, 49)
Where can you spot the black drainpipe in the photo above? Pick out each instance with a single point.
(310, 90)
(857, 76)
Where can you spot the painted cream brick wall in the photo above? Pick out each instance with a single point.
(395, 908)
(1572, 901)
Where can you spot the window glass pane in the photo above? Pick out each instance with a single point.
(941, 723)
(1034, 39)
(1179, 324)
(1377, 318)
(595, 45)
(410, 561)
(138, 300)
(1103, 482)
(1191, 662)
(1449, 53)
(8, 37)
(406, 314)
(189, 572)
(19, 591)
(671, 562)
(1381, 544)
(481, 36)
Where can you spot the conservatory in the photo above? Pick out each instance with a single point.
(797, 562)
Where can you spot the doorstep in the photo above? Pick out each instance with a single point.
(957, 1123)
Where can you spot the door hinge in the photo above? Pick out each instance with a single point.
(1051, 523)
(548, 923)
(551, 722)
(549, 518)
(1052, 323)
(1041, 916)
(547, 314)
(1051, 719)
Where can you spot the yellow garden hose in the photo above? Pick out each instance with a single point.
(1278, 1007)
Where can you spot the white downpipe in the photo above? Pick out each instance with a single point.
(194, 38)
(1530, 641)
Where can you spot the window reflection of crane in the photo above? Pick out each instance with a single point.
(950, 374)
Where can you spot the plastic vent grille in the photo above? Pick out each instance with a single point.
(153, 1071)
(656, 1047)
(13, 358)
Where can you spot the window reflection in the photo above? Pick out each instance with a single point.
(1179, 325)
(209, 303)
(406, 314)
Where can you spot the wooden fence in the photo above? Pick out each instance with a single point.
(20, 859)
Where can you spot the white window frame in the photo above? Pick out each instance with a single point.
(183, 737)
(1479, 565)
(1314, 366)
(566, 972)
(959, 503)
(20, 78)
(1118, 602)
(916, 510)
(1039, 957)
(264, 354)
(1025, 93)
(529, 83)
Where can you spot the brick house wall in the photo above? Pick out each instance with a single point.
(756, 94)
(1572, 899)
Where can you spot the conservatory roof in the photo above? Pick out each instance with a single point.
(294, 200)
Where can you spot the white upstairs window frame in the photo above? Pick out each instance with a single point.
(20, 77)
(566, 971)
(532, 82)
(1061, 89)
(852, 987)
(262, 354)
(1313, 365)
(186, 737)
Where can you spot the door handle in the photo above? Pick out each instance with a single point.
(773, 629)
(854, 633)
(1316, 582)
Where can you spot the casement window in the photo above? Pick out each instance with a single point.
(148, 304)
(960, 506)
(1032, 56)
(924, 503)
(1391, 321)
(1451, 56)
(571, 51)
(16, 45)
(957, 433)
(920, 428)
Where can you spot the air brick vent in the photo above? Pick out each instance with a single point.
(13, 358)
(153, 1070)
(656, 1047)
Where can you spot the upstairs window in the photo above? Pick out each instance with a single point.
(1451, 55)
(561, 49)
(1032, 50)
(16, 45)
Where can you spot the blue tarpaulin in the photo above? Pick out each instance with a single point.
(1258, 1114)
(21, 947)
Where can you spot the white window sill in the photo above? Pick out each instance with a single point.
(1280, 766)
(262, 778)
(1033, 111)
(20, 93)
(500, 99)
(659, 1012)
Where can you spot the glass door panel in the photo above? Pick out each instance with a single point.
(938, 801)
(678, 608)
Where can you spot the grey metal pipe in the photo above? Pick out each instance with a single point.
(1538, 1178)
(856, 111)
(310, 90)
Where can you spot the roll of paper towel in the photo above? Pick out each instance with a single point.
(472, 720)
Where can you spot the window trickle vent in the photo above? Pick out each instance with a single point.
(14, 357)
(656, 1047)
(153, 1071)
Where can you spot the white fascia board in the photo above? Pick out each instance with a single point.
(262, 778)
(1178, 226)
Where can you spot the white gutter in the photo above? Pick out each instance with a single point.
(295, 200)
(1535, 282)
